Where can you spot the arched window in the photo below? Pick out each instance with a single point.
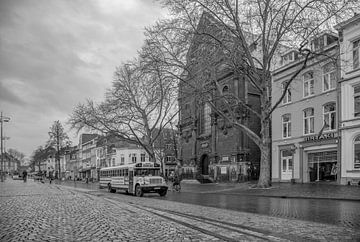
(205, 119)
(357, 152)
(329, 116)
(225, 89)
(309, 121)
(286, 125)
(308, 84)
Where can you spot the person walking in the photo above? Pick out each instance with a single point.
(24, 175)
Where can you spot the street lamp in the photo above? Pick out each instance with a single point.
(2, 120)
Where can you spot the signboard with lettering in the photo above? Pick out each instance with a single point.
(321, 137)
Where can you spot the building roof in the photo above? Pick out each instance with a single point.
(87, 137)
(344, 24)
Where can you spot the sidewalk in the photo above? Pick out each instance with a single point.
(283, 190)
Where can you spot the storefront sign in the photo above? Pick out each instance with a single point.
(321, 137)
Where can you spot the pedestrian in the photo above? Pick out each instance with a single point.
(248, 171)
(24, 175)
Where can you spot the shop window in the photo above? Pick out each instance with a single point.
(287, 97)
(356, 58)
(357, 152)
(308, 84)
(329, 117)
(329, 77)
(357, 101)
(309, 121)
(286, 125)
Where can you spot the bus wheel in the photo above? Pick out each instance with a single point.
(138, 191)
(162, 193)
(110, 189)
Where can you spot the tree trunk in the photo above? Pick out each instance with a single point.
(265, 161)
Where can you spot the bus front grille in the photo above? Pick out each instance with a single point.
(155, 180)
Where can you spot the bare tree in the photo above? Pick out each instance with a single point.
(140, 104)
(16, 154)
(248, 36)
(58, 139)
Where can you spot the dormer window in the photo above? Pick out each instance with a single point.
(322, 41)
(289, 57)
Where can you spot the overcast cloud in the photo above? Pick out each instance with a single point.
(55, 54)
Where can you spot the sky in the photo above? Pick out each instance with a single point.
(56, 54)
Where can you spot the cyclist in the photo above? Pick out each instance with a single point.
(176, 183)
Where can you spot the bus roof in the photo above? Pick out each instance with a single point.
(135, 165)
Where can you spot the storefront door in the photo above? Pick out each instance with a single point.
(286, 165)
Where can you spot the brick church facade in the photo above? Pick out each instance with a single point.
(210, 147)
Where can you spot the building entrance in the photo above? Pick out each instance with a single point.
(286, 165)
(204, 165)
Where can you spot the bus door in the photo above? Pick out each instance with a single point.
(131, 181)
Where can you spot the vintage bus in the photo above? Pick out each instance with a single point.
(136, 179)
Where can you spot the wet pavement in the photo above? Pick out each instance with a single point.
(332, 204)
(35, 211)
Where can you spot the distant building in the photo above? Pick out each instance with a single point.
(10, 163)
(349, 32)
(87, 156)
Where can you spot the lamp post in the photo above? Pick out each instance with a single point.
(2, 120)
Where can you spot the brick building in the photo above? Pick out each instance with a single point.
(210, 148)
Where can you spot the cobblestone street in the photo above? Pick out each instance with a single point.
(35, 211)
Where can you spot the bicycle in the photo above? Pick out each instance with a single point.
(176, 187)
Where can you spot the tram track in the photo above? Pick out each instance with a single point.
(221, 230)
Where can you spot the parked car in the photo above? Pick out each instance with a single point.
(16, 176)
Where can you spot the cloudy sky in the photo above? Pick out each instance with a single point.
(56, 54)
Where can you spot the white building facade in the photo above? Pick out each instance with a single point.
(349, 32)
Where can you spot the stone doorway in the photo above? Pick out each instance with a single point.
(204, 164)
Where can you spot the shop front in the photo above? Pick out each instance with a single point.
(320, 158)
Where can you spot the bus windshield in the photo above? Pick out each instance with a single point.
(147, 172)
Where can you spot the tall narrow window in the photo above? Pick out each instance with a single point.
(329, 77)
(133, 158)
(122, 159)
(309, 121)
(286, 125)
(357, 152)
(142, 158)
(357, 101)
(356, 58)
(329, 116)
(205, 119)
(308, 84)
(287, 97)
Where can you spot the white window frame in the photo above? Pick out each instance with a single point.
(287, 97)
(142, 157)
(356, 164)
(133, 158)
(356, 96)
(122, 159)
(327, 117)
(287, 125)
(310, 121)
(356, 51)
(308, 82)
(327, 74)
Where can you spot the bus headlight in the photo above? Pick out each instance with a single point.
(146, 181)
